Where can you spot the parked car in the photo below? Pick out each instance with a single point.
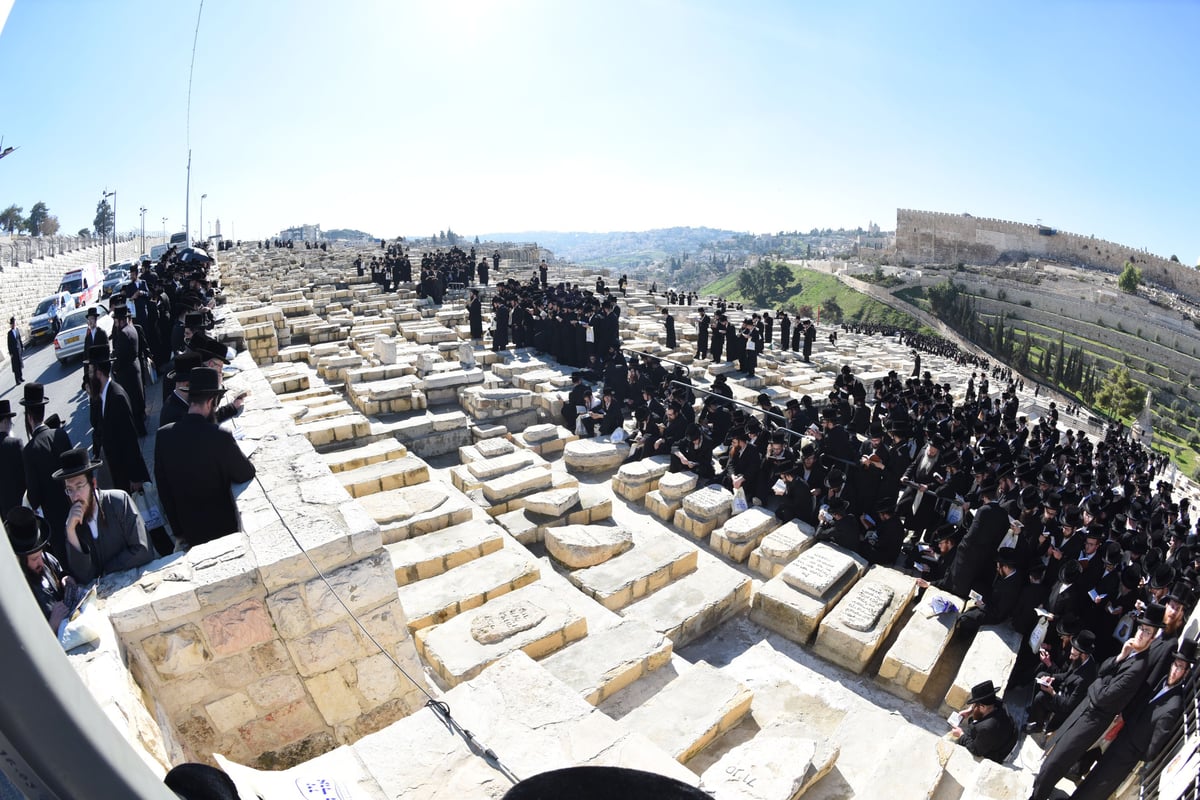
(115, 279)
(69, 341)
(49, 313)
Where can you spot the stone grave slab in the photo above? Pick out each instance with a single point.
(425, 556)
(914, 655)
(533, 619)
(635, 479)
(695, 604)
(853, 631)
(580, 546)
(779, 763)
(552, 502)
(692, 712)
(594, 455)
(609, 660)
(742, 532)
(507, 487)
(991, 656)
(794, 602)
(780, 547)
(655, 559)
(437, 599)
(992, 781)
(675, 486)
(497, 467)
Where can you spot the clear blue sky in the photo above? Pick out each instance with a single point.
(405, 117)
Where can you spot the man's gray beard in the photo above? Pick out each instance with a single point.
(926, 464)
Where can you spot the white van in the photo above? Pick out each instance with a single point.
(84, 283)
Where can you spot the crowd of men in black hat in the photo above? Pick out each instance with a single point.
(68, 531)
(1031, 520)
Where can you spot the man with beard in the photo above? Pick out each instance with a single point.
(103, 530)
(695, 454)
(1117, 681)
(45, 575)
(1059, 692)
(920, 479)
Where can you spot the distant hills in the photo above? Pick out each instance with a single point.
(618, 249)
(348, 233)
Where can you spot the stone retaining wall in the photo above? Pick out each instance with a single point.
(240, 647)
(26, 283)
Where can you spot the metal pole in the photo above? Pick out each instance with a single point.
(187, 205)
(202, 197)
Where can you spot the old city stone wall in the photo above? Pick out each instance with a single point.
(931, 237)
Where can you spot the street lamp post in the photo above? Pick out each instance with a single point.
(113, 195)
(202, 215)
(164, 220)
(142, 210)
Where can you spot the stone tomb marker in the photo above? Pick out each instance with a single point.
(914, 655)
(852, 632)
(794, 602)
(780, 763)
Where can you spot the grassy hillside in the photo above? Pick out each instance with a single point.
(815, 289)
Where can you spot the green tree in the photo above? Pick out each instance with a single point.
(1131, 278)
(103, 223)
(1119, 395)
(48, 226)
(37, 215)
(831, 310)
(84, 233)
(1174, 258)
(765, 283)
(11, 219)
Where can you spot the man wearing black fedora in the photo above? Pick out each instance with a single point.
(990, 732)
(1117, 681)
(175, 407)
(12, 466)
(1059, 692)
(46, 577)
(196, 464)
(114, 430)
(127, 369)
(45, 445)
(104, 532)
(94, 336)
(15, 348)
(1146, 731)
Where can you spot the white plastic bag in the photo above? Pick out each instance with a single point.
(82, 628)
(617, 436)
(739, 500)
(147, 506)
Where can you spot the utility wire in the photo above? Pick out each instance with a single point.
(439, 707)
(191, 69)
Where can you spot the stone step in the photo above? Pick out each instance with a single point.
(692, 712)
(608, 661)
(694, 604)
(434, 553)
(534, 619)
(655, 560)
(437, 599)
(355, 457)
(384, 476)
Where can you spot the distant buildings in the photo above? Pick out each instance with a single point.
(302, 233)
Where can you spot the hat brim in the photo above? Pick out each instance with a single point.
(62, 474)
(42, 402)
(40, 543)
(203, 394)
